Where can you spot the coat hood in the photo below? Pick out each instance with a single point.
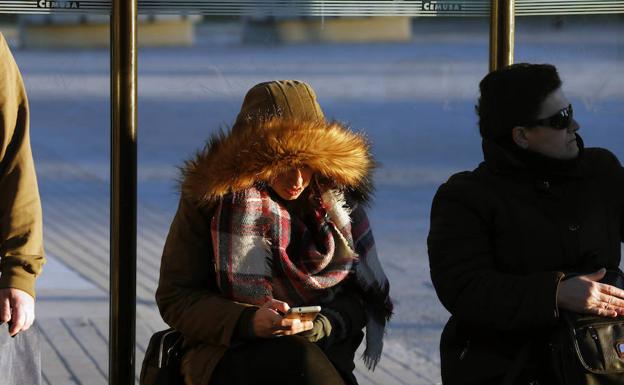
(237, 160)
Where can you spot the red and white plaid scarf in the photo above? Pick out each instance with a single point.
(262, 251)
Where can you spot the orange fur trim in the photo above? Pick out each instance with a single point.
(236, 161)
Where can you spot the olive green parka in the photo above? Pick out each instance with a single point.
(188, 296)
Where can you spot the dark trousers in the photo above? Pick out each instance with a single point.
(283, 360)
(20, 357)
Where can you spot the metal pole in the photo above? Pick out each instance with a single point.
(502, 28)
(123, 216)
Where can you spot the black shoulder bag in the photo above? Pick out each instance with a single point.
(587, 349)
(161, 365)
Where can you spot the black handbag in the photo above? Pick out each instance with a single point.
(161, 365)
(588, 349)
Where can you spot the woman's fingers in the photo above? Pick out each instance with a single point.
(278, 306)
(605, 310)
(604, 305)
(612, 302)
(612, 291)
(279, 328)
(307, 325)
(278, 325)
(291, 326)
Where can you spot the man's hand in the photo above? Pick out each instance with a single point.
(18, 307)
(267, 322)
(584, 294)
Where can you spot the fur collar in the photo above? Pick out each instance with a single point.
(235, 161)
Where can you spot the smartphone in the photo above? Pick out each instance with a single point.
(305, 313)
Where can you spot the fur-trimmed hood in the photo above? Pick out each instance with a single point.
(235, 161)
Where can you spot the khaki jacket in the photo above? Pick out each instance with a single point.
(21, 241)
(186, 294)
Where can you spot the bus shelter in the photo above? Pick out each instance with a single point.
(310, 22)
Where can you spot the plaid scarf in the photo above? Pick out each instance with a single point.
(264, 251)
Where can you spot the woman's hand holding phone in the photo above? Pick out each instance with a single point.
(268, 322)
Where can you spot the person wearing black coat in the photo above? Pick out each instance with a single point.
(505, 236)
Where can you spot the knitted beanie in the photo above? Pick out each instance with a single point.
(289, 99)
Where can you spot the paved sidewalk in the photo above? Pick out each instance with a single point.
(72, 314)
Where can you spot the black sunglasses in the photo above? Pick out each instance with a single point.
(560, 120)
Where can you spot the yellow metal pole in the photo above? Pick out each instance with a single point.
(123, 215)
(502, 29)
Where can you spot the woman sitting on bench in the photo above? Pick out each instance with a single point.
(271, 216)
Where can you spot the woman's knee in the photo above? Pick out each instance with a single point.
(304, 361)
(283, 360)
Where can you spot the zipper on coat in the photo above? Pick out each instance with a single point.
(462, 355)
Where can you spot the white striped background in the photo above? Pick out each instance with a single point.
(322, 8)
